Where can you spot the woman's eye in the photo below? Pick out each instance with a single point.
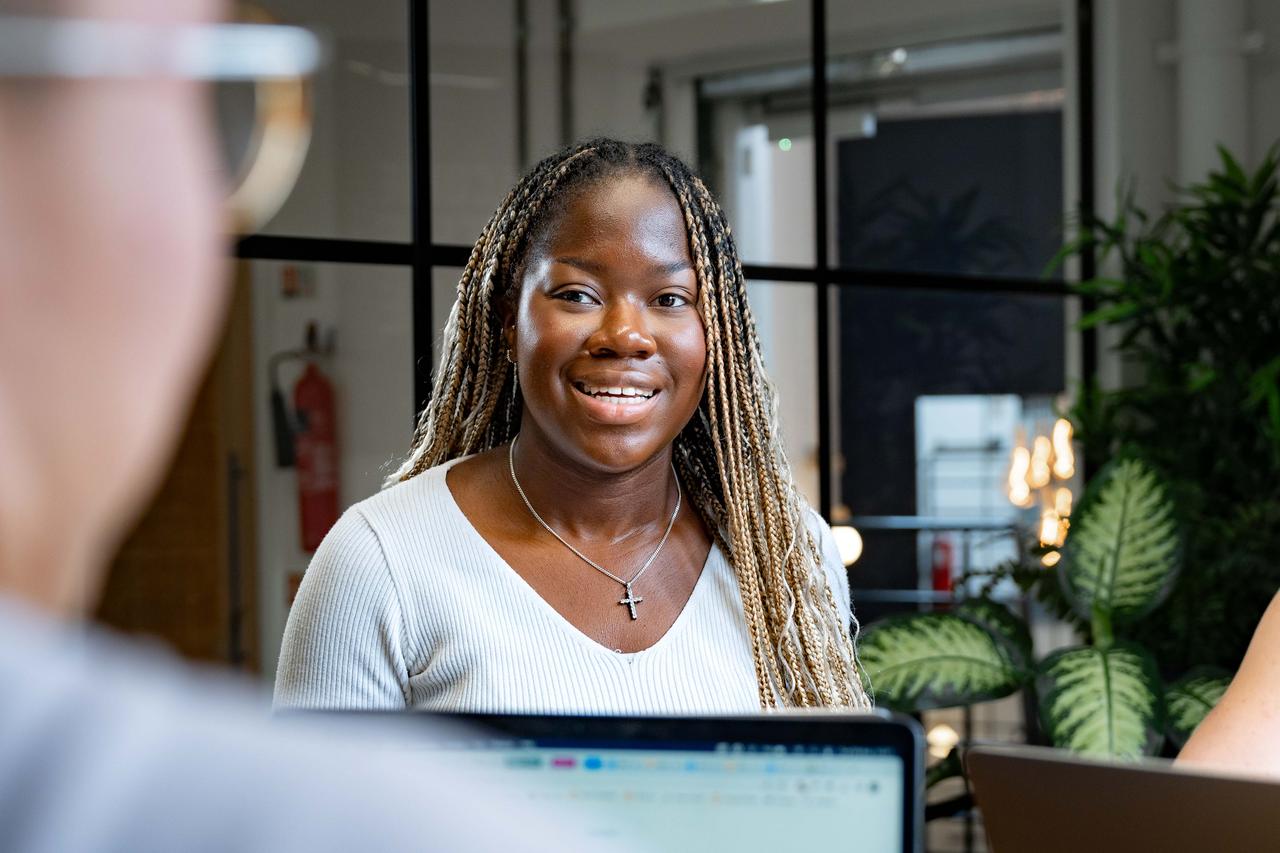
(578, 297)
(672, 300)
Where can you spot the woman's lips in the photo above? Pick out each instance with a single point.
(615, 411)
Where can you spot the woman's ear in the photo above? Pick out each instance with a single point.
(507, 316)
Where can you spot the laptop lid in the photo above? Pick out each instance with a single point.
(1034, 798)
(786, 781)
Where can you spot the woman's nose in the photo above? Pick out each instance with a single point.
(623, 333)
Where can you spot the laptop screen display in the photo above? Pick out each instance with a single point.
(700, 796)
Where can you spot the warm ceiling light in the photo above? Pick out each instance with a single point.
(942, 739)
(1052, 530)
(848, 543)
(1064, 458)
(1042, 450)
(1019, 491)
(1062, 502)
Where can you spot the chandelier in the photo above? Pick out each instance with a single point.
(1041, 474)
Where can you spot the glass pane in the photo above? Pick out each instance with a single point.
(699, 77)
(474, 159)
(362, 349)
(935, 389)
(356, 180)
(946, 138)
(714, 82)
(766, 185)
(786, 316)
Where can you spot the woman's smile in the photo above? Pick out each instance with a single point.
(617, 403)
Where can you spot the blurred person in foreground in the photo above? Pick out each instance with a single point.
(111, 292)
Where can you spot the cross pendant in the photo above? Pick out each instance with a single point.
(631, 601)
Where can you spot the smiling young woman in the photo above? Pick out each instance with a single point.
(596, 515)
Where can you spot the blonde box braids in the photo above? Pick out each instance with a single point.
(729, 457)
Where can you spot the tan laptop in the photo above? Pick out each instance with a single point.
(1043, 800)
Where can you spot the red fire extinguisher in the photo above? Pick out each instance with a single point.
(316, 455)
(943, 563)
(307, 439)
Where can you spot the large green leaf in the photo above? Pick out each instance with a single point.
(1124, 548)
(1001, 623)
(936, 660)
(1190, 698)
(1104, 703)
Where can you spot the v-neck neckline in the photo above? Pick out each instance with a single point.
(556, 616)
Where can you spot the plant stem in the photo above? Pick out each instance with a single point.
(1101, 625)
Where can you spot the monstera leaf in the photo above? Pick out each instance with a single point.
(1124, 547)
(936, 660)
(1190, 698)
(1002, 624)
(1101, 702)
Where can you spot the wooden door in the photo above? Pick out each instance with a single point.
(186, 575)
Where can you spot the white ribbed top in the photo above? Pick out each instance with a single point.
(406, 605)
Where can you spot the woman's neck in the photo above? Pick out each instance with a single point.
(588, 504)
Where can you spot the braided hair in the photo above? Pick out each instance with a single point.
(729, 457)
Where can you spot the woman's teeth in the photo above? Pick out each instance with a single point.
(620, 392)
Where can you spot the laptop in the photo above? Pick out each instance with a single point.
(1035, 798)
(767, 783)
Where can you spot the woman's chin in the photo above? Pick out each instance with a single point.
(613, 451)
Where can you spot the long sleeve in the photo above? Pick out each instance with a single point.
(343, 641)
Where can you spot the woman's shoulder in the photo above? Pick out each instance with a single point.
(422, 496)
(412, 510)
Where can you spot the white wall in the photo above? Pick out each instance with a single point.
(1140, 139)
(1264, 79)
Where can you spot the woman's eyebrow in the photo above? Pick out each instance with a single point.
(581, 263)
(670, 268)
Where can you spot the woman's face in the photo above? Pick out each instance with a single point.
(611, 349)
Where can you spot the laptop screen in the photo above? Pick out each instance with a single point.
(762, 785)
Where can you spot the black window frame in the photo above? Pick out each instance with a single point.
(423, 255)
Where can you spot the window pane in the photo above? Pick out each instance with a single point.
(946, 138)
(766, 185)
(786, 316)
(935, 389)
(716, 83)
(356, 180)
(699, 77)
(473, 113)
(365, 312)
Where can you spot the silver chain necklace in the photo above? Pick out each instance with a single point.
(630, 601)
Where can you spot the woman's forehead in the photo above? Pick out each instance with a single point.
(637, 211)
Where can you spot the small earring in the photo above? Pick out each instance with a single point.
(511, 356)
